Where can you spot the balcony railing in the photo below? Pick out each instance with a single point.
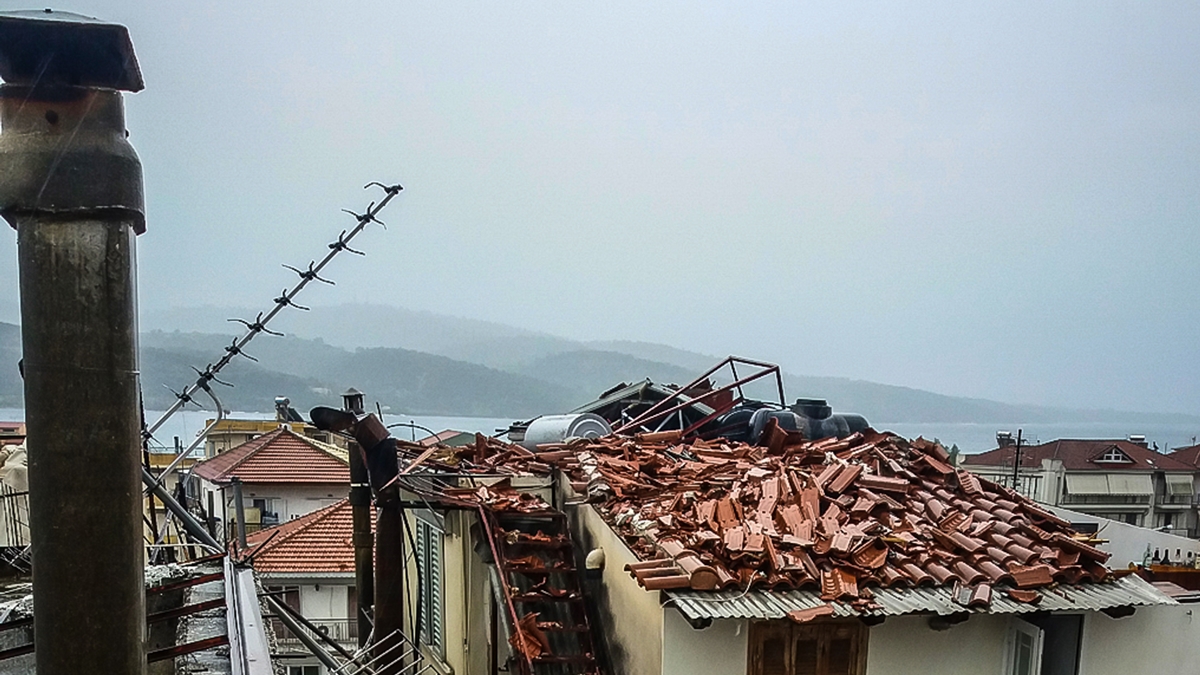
(1180, 500)
(1105, 499)
(343, 631)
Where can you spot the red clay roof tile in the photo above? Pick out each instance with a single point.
(280, 456)
(317, 543)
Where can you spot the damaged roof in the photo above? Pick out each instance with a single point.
(279, 456)
(872, 522)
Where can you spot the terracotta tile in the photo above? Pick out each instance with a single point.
(1031, 576)
(807, 615)
(1028, 597)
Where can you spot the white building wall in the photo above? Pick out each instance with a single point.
(906, 645)
(899, 646)
(323, 601)
(720, 649)
(1128, 543)
(1154, 640)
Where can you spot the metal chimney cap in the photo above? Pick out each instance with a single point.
(62, 48)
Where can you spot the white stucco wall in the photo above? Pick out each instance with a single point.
(720, 649)
(631, 615)
(1153, 640)
(292, 501)
(905, 645)
(898, 646)
(324, 601)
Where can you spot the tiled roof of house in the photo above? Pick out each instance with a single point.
(837, 516)
(317, 543)
(1189, 455)
(280, 456)
(1082, 455)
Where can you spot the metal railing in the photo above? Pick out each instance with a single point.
(342, 631)
(1106, 499)
(1178, 500)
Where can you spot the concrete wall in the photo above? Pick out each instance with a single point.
(720, 649)
(630, 617)
(1153, 640)
(456, 589)
(899, 646)
(324, 601)
(905, 645)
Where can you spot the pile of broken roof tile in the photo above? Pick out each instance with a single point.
(841, 516)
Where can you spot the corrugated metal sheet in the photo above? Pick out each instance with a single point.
(1130, 590)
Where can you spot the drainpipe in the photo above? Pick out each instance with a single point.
(239, 509)
(360, 510)
(71, 185)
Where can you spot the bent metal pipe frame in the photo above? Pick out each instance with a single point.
(663, 409)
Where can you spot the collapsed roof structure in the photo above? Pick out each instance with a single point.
(870, 524)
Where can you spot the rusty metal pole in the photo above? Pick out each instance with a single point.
(360, 510)
(382, 468)
(71, 185)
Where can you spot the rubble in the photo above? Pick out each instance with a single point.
(837, 515)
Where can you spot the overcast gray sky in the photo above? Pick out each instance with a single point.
(994, 201)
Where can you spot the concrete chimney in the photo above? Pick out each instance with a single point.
(71, 185)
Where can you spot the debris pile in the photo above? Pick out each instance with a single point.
(872, 509)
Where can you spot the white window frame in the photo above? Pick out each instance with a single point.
(1114, 456)
(1018, 629)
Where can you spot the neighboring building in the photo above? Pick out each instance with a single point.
(310, 561)
(1118, 479)
(230, 433)
(284, 476)
(12, 433)
(1189, 455)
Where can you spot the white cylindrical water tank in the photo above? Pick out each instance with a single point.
(558, 428)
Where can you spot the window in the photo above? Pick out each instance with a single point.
(832, 648)
(429, 569)
(1115, 456)
(1023, 649)
(304, 670)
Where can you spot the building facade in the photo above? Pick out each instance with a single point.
(1122, 480)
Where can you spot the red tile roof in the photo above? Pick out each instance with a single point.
(1189, 455)
(836, 515)
(1081, 455)
(317, 543)
(280, 456)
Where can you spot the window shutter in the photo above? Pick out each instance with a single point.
(805, 651)
(842, 652)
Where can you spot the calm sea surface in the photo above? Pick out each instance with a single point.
(969, 437)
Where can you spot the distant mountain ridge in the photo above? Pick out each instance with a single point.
(426, 363)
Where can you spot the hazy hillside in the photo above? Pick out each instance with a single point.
(477, 368)
(586, 373)
(354, 326)
(312, 372)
